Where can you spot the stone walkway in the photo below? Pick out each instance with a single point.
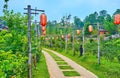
(55, 71)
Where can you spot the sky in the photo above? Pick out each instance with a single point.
(56, 9)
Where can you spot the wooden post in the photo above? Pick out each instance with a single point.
(29, 42)
(83, 41)
(73, 44)
(98, 44)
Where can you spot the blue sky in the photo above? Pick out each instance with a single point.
(55, 9)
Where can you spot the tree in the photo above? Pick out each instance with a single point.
(110, 27)
(92, 18)
(108, 18)
(101, 19)
(117, 12)
(78, 23)
(63, 21)
(5, 7)
(103, 13)
(14, 45)
(102, 16)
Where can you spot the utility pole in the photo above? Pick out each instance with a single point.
(66, 43)
(83, 41)
(36, 34)
(38, 37)
(73, 43)
(29, 42)
(29, 38)
(67, 19)
(98, 43)
(66, 37)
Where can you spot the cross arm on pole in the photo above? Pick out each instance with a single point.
(34, 13)
(38, 10)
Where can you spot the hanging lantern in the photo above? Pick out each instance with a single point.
(90, 28)
(62, 36)
(44, 32)
(43, 28)
(117, 19)
(78, 32)
(43, 35)
(43, 19)
(68, 36)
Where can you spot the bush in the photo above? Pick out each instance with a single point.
(12, 64)
(91, 40)
(118, 58)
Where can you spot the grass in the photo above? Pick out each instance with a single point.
(71, 73)
(41, 70)
(106, 69)
(62, 63)
(56, 58)
(65, 67)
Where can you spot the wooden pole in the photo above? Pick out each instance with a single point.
(73, 44)
(98, 44)
(83, 41)
(29, 42)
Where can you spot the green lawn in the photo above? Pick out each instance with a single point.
(71, 73)
(61, 63)
(56, 58)
(41, 70)
(65, 67)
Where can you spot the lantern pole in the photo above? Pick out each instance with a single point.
(39, 37)
(61, 39)
(29, 9)
(98, 38)
(83, 41)
(98, 43)
(73, 44)
(29, 42)
(66, 35)
(73, 37)
(36, 33)
(66, 44)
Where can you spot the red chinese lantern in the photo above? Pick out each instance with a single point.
(117, 19)
(43, 19)
(78, 32)
(68, 35)
(43, 28)
(44, 32)
(90, 28)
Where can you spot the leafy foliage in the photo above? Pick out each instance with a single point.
(14, 46)
(110, 27)
(12, 64)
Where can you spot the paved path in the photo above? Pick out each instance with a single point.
(53, 69)
(55, 72)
